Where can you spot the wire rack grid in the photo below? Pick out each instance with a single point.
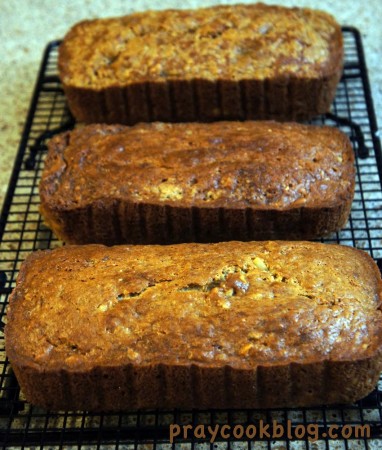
(22, 231)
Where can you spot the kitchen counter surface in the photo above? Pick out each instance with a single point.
(27, 26)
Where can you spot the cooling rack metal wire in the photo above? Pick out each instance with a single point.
(22, 231)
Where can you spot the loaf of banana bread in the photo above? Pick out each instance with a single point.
(227, 325)
(195, 182)
(222, 62)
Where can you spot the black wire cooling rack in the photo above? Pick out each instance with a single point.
(22, 231)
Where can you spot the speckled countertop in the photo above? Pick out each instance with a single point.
(26, 26)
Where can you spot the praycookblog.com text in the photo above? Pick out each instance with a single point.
(264, 430)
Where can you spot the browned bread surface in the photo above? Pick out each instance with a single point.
(227, 325)
(190, 182)
(222, 62)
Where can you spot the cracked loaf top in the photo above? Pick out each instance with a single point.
(222, 164)
(235, 42)
(234, 303)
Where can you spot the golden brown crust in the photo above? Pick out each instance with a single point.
(166, 183)
(222, 62)
(266, 324)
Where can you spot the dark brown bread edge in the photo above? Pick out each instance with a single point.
(113, 222)
(202, 100)
(162, 386)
